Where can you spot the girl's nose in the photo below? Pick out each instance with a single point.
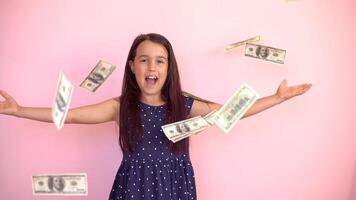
(151, 65)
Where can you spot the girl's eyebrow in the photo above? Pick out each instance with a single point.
(146, 56)
(143, 56)
(162, 57)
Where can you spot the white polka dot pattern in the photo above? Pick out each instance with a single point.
(153, 172)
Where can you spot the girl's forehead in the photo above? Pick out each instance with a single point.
(151, 49)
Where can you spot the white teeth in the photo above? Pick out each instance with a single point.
(152, 77)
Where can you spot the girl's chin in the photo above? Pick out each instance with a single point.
(151, 91)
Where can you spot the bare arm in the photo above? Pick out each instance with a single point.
(202, 108)
(90, 114)
(97, 113)
(283, 93)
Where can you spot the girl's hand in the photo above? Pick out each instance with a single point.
(9, 106)
(285, 93)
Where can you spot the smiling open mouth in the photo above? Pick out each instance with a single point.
(151, 80)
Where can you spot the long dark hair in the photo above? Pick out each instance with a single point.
(131, 131)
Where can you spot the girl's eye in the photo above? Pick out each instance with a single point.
(143, 60)
(160, 61)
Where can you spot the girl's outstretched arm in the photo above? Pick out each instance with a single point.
(282, 94)
(203, 107)
(90, 114)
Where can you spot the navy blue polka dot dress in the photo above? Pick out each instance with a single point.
(153, 171)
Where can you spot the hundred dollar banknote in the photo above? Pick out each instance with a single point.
(228, 115)
(210, 117)
(182, 129)
(265, 53)
(237, 44)
(60, 184)
(188, 128)
(98, 75)
(62, 100)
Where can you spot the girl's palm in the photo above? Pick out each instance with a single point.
(9, 105)
(284, 92)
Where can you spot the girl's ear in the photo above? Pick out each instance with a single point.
(131, 66)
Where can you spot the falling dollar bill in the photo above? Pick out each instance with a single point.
(265, 53)
(237, 44)
(228, 115)
(98, 75)
(189, 127)
(60, 184)
(62, 100)
(179, 130)
(210, 117)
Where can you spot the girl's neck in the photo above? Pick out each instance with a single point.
(153, 100)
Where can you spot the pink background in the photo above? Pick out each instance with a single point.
(304, 149)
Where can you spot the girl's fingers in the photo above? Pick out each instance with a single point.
(284, 82)
(5, 95)
(301, 89)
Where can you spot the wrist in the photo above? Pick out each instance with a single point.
(278, 99)
(18, 111)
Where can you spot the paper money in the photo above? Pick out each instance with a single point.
(182, 129)
(98, 75)
(210, 117)
(189, 127)
(235, 107)
(265, 53)
(60, 184)
(62, 101)
(237, 44)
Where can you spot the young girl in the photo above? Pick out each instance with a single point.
(152, 167)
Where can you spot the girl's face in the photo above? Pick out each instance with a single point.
(150, 67)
